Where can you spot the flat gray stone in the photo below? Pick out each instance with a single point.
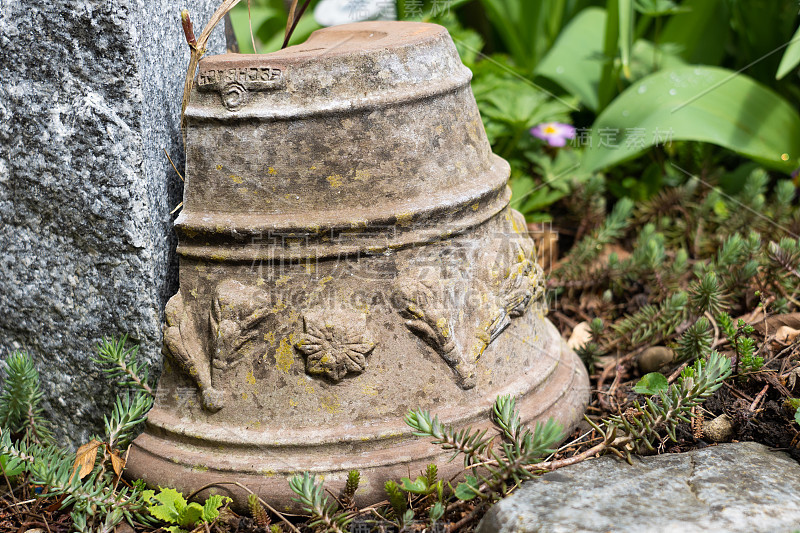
(731, 487)
(89, 96)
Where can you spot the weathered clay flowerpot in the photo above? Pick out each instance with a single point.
(347, 253)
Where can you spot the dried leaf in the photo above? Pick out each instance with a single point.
(85, 458)
(786, 335)
(581, 335)
(118, 463)
(792, 378)
(791, 320)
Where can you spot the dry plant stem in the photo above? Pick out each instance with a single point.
(343, 506)
(25, 502)
(198, 48)
(672, 377)
(141, 384)
(11, 492)
(714, 325)
(179, 175)
(237, 484)
(758, 398)
(371, 508)
(614, 446)
(173, 164)
(250, 23)
(291, 22)
(549, 466)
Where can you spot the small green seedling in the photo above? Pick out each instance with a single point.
(170, 506)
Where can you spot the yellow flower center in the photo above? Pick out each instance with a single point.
(550, 129)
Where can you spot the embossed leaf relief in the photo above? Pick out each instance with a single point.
(205, 349)
(183, 344)
(522, 283)
(335, 344)
(425, 316)
(507, 294)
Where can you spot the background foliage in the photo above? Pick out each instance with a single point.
(640, 79)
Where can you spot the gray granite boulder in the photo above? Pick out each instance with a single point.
(743, 487)
(89, 95)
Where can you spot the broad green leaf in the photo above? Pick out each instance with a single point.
(576, 59)
(464, 491)
(651, 383)
(648, 58)
(190, 514)
(171, 505)
(706, 104)
(699, 31)
(420, 486)
(791, 57)
(468, 489)
(211, 507)
(436, 512)
(797, 415)
(10, 467)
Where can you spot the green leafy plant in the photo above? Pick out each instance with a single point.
(597, 55)
(744, 345)
(350, 488)
(170, 506)
(20, 401)
(87, 481)
(311, 496)
(697, 339)
(505, 464)
(641, 427)
(121, 364)
(697, 254)
(257, 511)
(398, 502)
(706, 104)
(496, 468)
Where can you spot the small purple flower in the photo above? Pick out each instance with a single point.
(554, 133)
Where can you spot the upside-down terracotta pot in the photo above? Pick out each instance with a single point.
(347, 253)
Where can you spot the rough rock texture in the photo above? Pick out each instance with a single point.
(731, 487)
(89, 96)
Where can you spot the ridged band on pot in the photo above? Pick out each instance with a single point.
(347, 253)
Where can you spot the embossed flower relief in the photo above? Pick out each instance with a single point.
(335, 344)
